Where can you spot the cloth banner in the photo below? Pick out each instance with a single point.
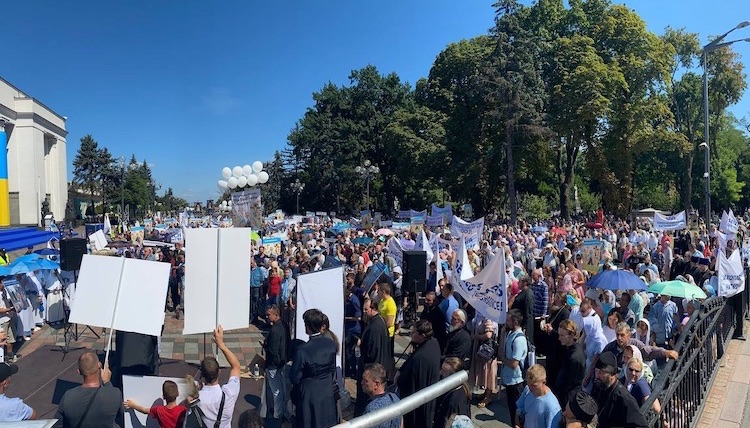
(417, 224)
(671, 222)
(404, 214)
(729, 224)
(592, 255)
(422, 214)
(423, 244)
(446, 212)
(461, 266)
(470, 231)
(396, 250)
(247, 210)
(487, 292)
(435, 220)
(400, 225)
(731, 274)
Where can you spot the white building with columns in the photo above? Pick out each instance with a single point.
(36, 157)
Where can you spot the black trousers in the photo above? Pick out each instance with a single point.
(512, 394)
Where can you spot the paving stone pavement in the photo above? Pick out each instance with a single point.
(727, 400)
(245, 343)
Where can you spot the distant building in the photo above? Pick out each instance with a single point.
(34, 167)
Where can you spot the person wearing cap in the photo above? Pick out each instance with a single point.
(581, 410)
(617, 407)
(12, 409)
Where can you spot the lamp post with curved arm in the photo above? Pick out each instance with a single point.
(297, 187)
(710, 47)
(368, 171)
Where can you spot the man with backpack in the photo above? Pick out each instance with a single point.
(514, 360)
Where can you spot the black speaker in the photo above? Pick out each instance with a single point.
(71, 253)
(415, 271)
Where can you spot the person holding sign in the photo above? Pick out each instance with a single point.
(217, 401)
(169, 415)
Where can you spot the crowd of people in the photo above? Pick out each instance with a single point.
(607, 345)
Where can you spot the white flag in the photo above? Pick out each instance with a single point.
(424, 245)
(461, 266)
(487, 292)
(730, 273)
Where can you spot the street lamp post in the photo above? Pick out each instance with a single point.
(710, 47)
(297, 187)
(122, 193)
(368, 171)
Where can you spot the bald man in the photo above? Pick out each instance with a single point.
(96, 403)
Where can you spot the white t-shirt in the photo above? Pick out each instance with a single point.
(210, 397)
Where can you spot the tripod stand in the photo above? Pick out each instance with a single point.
(70, 331)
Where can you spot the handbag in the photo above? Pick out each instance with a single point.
(487, 350)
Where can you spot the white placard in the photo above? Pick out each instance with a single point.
(672, 222)
(122, 294)
(217, 287)
(730, 273)
(323, 290)
(146, 391)
(98, 240)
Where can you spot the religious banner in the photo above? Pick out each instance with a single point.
(446, 212)
(247, 210)
(365, 220)
(592, 252)
(487, 292)
(377, 219)
(272, 246)
(730, 273)
(137, 234)
(470, 231)
(671, 222)
(417, 224)
(435, 220)
(400, 225)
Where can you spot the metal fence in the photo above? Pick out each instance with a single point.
(681, 386)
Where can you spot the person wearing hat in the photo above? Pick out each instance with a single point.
(12, 409)
(581, 410)
(617, 407)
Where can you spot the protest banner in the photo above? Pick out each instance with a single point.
(671, 222)
(404, 214)
(417, 224)
(470, 231)
(247, 210)
(137, 234)
(592, 252)
(396, 250)
(487, 291)
(446, 212)
(272, 246)
(435, 220)
(730, 273)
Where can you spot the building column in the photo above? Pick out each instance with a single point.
(4, 196)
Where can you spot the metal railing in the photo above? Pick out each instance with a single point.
(682, 386)
(407, 404)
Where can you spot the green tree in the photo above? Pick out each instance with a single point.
(87, 166)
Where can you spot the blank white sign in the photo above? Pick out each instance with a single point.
(146, 391)
(323, 290)
(123, 294)
(217, 279)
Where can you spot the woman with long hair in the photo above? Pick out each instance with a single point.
(614, 317)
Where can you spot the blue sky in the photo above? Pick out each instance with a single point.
(194, 86)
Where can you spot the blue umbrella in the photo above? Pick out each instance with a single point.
(48, 252)
(616, 280)
(363, 240)
(47, 264)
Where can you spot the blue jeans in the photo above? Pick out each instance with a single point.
(254, 303)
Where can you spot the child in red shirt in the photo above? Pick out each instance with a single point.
(170, 415)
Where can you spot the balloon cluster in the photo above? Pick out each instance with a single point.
(242, 176)
(226, 205)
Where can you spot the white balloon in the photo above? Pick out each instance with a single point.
(237, 171)
(222, 184)
(232, 182)
(252, 180)
(257, 166)
(247, 170)
(262, 177)
(242, 182)
(226, 172)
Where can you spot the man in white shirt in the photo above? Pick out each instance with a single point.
(217, 401)
(12, 409)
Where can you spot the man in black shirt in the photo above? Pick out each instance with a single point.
(277, 350)
(94, 404)
(435, 316)
(617, 407)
